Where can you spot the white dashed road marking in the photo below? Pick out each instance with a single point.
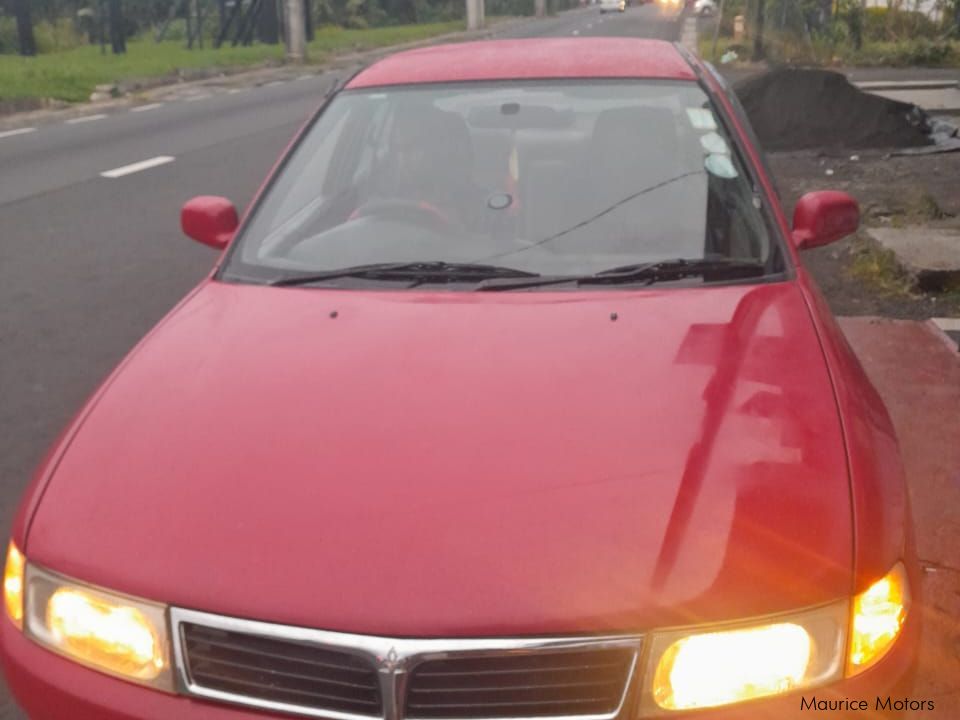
(234, 91)
(144, 108)
(137, 167)
(18, 131)
(85, 119)
(194, 98)
(576, 32)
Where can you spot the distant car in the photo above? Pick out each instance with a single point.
(510, 398)
(705, 8)
(613, 6)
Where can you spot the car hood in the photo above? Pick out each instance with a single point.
(426, 464)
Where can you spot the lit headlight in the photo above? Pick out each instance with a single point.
(877, 618)
(690, 670)
(13, 584)
(113, 633)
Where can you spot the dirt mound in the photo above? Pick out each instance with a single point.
(796, 109)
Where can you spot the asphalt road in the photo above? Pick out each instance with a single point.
(88, 264)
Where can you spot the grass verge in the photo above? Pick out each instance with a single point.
(905, 53)
(72, 75)
(878, 267)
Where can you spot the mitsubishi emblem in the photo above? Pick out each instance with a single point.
(391, 662)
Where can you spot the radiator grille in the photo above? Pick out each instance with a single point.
(280, 671)
(582, 682)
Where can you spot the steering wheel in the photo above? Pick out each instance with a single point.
(415, 213)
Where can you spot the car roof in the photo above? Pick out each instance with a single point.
(527, 59)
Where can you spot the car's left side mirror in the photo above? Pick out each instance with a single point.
(821, 218)
(210, 220)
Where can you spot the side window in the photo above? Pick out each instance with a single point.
(741, 115)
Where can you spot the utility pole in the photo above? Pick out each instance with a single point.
(540, 8)
(473, 14)
(296, 31)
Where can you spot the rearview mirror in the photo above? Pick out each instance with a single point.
(210, 220)
(824, 217)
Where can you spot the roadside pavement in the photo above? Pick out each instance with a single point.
(739, 71)
(916, 369)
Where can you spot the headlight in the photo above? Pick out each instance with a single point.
(877, 618)
(13, 584)
(690, 669)
(107, 631)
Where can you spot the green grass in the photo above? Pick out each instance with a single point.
(333, 39)
(878, 267)
(723, 45)
(906, 53)
(73, 74)
(784, 49)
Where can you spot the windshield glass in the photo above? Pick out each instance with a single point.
(552, 178)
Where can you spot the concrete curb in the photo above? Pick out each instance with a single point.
(929, 256)
(907, 84)
(948, 329)
(934, 96)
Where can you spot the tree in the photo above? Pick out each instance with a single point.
(118, 35)
(855, 22)
(268, 23)
(308, 18)
(758, 51)
(826, 10)
(28, 46)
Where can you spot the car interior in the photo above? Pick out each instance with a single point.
(578, 183)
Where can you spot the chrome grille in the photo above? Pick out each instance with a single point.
(584, 682)
(341, 676)
(280, 671)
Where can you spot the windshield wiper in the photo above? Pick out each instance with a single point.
(710, 269)
(422, 271)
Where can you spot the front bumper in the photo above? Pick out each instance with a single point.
(50, 687)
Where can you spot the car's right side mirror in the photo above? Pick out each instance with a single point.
(823, 217)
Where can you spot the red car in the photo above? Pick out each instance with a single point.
(510, 397)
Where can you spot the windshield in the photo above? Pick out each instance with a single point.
(549, 178)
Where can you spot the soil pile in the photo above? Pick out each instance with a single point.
(797, 109)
